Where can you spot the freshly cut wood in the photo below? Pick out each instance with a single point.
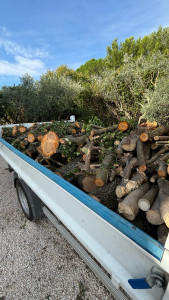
(106, 193)
(164, 207)
(49, 144)
(154, 177)
(129, 206)
(147, 200)
(162, 169)
(154, 146)
(140, 156)
(149, 125)
(131, 184)
(102, 174)
(14, 130)
(128, 143)
(161, 138)
(123, 126)
(22, 129)
(145, 136)
(153, 214)
(31, 137)
(162, 233)
(87, 183)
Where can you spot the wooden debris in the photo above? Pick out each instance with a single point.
(147, 200)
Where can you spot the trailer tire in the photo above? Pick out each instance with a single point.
(31, 205)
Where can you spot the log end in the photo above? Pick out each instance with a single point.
(126, 211)
(153, 217)
(31, 137)
(99, 182)
(144, 137)
(120, 191)
(49, 143)
(123, 126)
(143, 204)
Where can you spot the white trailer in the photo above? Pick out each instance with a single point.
(126, 259)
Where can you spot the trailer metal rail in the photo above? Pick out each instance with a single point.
(123, 250)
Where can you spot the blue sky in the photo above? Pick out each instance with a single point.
(38, 35)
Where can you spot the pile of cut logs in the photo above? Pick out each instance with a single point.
(128, 175)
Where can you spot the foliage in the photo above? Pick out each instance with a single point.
(92, 66)
(157, 107)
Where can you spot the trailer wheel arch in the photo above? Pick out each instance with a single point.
(31, 204)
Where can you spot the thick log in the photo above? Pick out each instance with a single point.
(162, 233)
(102, 130)
(162, 169)
(128, 143)
(164, 207)
(123, 126)
(145, 136)
(147, 200)
(163, 185)
(87, 183)
(106, 193)
(140, 156)
(129, 206)
(131, 184)
(102, 174)
(49, 144)
(153, 214)
(131, 163)
(22, 129)
(14, 130)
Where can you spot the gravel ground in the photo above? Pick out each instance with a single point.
(36, 262)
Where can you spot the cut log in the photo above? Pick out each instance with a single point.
(153, 214)
(147, 200)
(163, 185)
(156, 156)
(161, 138)
(164, 207)
(49, 144)
(119, 151)
(129, 206)
(128, 143)
(102, 130)
(79, 140)
(14, 130)
(130, 165)
(147, 149)
(154, 177)
(145, 136)
(140, 156)
(162, 233)
(22, 129)
(106, 193)
(123, 126)
(131, 184)
(31, 137)
(102, 174)
(87, 183)
(162, 169)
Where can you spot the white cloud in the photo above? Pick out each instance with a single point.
(13, 48)
(22, 65)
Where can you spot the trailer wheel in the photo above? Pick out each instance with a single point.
(29, 202)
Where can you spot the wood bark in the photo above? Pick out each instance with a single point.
(87, 183)
(162, 233)
(140, 156)
(102, 174)
(156, 156)
(131, 184)
(163, 185)
(106, 193)
(153, 214)
(128, 143)
(161, 138)
(129, 206)
(145, 136)
(147, 200)
(164, 207)
(162, 169)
